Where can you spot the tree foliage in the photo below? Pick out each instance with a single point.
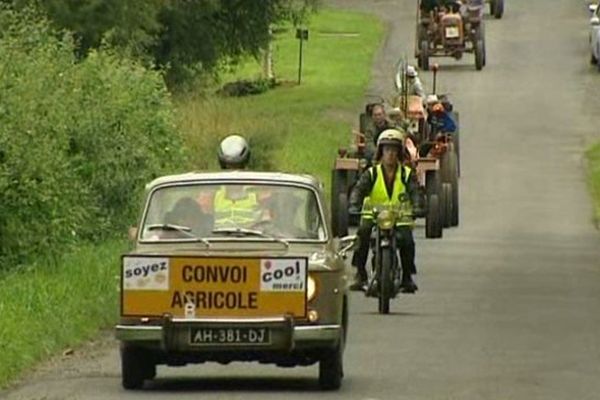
(179, 35)
(78, 140)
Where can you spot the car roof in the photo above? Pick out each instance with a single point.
(191, 177)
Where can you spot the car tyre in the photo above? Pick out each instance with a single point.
(136, 367)
(331, 367)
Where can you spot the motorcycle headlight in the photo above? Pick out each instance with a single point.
(311, 288)
(386, 220)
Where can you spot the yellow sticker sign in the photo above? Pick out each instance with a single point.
(197, 287)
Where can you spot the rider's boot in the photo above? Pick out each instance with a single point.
(408, 285)
(360, 280)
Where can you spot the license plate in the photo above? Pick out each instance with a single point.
(452, 32)
(229, 336)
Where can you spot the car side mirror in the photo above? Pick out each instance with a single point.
(592, 7)
(346, 243)
(594, 21)
(132, 233)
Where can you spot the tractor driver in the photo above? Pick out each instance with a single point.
(415, 87)
(388, 183)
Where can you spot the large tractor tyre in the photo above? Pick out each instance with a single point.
(450, 175)
(484, 54)
(338, 185)
(424, 55)
(136, 367)
(498, 9)
(479, 54)
(447, 205)
(331, 367)
(342, 216)
(456, 138)
(433, 222)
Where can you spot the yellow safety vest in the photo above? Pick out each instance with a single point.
(235, 213)
(379, 196)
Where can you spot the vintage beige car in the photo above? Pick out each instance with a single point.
(234, 266)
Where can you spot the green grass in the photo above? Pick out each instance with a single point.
(45, 308)
(293, 128)
(593, 156)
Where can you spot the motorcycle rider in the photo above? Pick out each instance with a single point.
(388, 183)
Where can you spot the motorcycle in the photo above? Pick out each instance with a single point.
(386, 275)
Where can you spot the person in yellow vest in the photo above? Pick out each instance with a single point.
(233, 205)
(387, 183)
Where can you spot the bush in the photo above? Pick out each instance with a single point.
(77, 140)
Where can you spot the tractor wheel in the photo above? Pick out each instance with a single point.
(424, 55)
(449, 169)
(433, 223)
(342, 219)
(498, 8)
(456, 138)
(433, 190)
(479, 54)
(338, 186)
(446, 200)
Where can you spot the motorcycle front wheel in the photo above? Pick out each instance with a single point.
(386, 281)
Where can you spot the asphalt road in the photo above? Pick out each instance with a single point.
(508, 307)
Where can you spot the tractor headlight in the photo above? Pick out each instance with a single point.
(386, 220)
(311, 288)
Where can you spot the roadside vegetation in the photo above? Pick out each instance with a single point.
(84, 126)
(292, 128)
(593, 155)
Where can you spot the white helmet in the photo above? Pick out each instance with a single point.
(411, 72)
(393, 137)
(234, 152)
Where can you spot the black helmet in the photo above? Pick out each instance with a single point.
(234, 152)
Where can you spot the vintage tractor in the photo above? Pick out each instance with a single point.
(436, 157)
(450, 32)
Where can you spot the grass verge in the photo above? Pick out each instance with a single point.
(46, 308)
(293, 128)
(593, 157)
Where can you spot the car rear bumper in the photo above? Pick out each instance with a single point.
(173, 334)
